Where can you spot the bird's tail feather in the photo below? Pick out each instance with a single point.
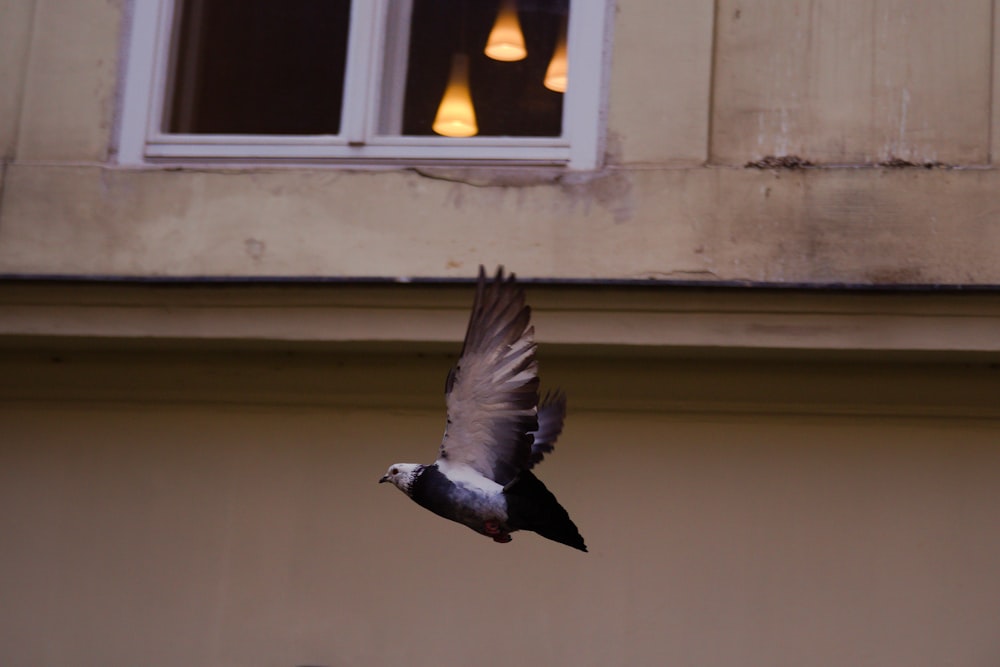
(531, 506)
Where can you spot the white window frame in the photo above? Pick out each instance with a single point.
(141, 142)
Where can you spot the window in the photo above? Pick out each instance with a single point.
(396, 81)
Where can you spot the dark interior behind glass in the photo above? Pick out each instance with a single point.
(277, 67)
(259, 67)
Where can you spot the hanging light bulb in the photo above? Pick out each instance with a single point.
(506, 41)
(455, 115)
(557, 73)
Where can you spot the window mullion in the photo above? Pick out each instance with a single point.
(363, 44)
(386, 101)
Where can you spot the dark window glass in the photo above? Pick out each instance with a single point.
(277, 67)
(509, 97)
(259, 67)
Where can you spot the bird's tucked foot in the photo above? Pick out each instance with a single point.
(492, 528)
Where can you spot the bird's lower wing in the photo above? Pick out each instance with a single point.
(551, 414)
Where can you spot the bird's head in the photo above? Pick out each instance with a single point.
(402, 475)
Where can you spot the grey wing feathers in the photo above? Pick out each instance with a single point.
(551, 413)
(492, 392)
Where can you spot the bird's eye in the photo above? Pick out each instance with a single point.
(394, 471)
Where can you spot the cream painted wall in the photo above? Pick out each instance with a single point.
(844, 226)
(853, 81)
(221, 534)
(15, 36)
(692, 96)
(70, 81)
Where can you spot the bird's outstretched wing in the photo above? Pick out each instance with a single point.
(551, 414)
(492, 392)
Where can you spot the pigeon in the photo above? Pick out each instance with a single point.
(497, 429)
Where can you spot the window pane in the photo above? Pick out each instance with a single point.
(258, 67)
(509, 97)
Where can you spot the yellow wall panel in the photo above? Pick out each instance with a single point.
(240, 535)
(71, 80)
(15, 36)
(852, 81)
(660, 91)
(995, 101)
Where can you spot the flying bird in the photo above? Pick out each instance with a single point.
(497, 429)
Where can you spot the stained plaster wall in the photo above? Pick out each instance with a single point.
(696, 90)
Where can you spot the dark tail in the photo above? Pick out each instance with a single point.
(530, 506)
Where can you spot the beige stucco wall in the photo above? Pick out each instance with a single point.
(693, 94)
(233, 532)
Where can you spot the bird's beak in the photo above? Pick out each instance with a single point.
(384, 478)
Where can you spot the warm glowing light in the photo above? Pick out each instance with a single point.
(557, 73)
(506, 41)
(455, 115)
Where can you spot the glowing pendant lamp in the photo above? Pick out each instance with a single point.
(506, 41)
(557, 73)
(455, 115)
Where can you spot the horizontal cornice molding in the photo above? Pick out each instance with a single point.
(664, 318)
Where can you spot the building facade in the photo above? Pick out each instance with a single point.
(761, 244)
